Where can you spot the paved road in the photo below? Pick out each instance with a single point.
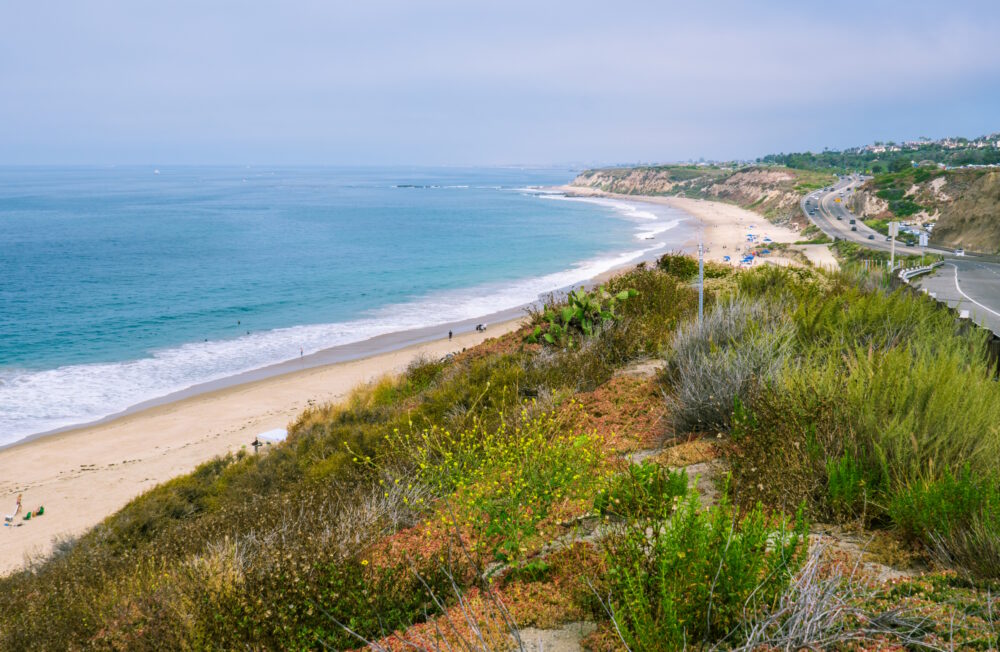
(834, 219)
(963, 282)
(968, 285)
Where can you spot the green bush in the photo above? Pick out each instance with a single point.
(641, 490)
(940, 506)
(957, 516)
(850, 486)
(645, 326)
(679, 265)
(686, 575)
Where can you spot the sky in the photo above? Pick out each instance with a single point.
(470, 82)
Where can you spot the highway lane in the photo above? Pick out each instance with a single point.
(968, 285)
(834, 219)
(963, 282)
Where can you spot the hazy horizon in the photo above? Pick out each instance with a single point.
(446, 84)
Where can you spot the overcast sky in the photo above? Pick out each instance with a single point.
(476, 82)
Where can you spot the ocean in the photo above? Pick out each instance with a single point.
(119, 285)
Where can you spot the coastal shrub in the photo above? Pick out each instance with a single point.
(957, 516)
(847, 432)
(648, 322)
(850, 318)
(640, 490)
(504, 482)
(779, 450)
(850, 486)
(684, 576)
(685, 268)
(945, 504)
(775, 283)
(678, 265)
(714, 363)
(924, 409)
(973, 549)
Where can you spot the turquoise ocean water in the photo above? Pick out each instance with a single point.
(120, 285)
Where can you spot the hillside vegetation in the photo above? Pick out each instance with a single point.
(962, 204)
(813, 465)
(886, 157)
(772, 191)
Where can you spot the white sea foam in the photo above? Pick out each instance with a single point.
(39, 401)
(651, 224)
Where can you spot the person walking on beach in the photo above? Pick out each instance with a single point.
(9, 518)
(449, 336)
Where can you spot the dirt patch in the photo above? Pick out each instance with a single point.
(875, 555)
(565, 639)
(687, 453)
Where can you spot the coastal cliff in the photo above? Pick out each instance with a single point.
(962, 205)
(772, 191)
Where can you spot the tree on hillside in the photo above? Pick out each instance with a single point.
(900, 164)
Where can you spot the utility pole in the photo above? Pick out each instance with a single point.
(893, 232)
(701, 282)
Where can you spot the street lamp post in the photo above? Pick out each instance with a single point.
(701, 282)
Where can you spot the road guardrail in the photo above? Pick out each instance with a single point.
(906, 274)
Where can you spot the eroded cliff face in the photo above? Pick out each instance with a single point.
(969, 215)
(962, 204)
(866, 204)
(629, 181)
(771, 191)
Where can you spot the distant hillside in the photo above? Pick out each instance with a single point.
(962, 204)
(772, 191)
(889, 156)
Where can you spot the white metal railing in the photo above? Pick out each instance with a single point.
(906, 274)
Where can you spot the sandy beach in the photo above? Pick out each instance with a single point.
(724, 226)
(83, 475)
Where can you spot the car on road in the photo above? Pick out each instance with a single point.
(839, 217)
(871, 237)
(852, 221)
(909, 243)
(854, 228)
(960, 252)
